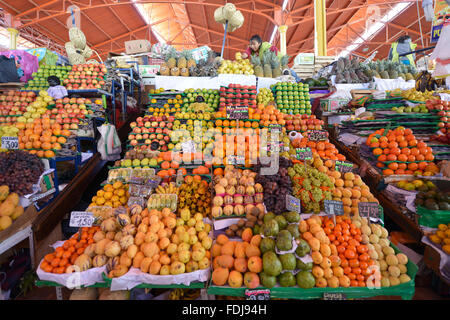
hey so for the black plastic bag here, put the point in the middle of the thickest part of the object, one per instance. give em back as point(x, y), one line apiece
point(8, 70)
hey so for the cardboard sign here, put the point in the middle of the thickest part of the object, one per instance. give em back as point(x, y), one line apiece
point(81, 219)
point(263, 294)
point(369, 209)
point(293, 204)
point(317, 135)
point(11, 143)
point(237, 113)
point(334, 207)
point(304, 153)
point(343, 166)
point(334, 296)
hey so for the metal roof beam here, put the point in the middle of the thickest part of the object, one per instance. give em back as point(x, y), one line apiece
point(37, 8)
point(404, 28)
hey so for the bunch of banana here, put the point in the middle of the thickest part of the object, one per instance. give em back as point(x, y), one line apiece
point(167, 188)
point(424, 81)
point(160, 201)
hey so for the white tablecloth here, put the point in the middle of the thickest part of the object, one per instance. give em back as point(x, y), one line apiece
point(183, 83)
point(392, 84)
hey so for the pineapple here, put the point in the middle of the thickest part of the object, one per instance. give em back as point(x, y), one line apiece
point(266, 65)
point(171, 58)
point(259, 72)
point(184, 72)
point(175, 72)
point(276, 68)
point(191, 63)
point(284, 62)
point(185, 56)
point(164, 70)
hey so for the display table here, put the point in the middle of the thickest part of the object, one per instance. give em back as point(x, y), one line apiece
point(183, 83)
point(20, 230)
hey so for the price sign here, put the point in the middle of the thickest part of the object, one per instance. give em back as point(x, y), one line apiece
point(317, 135)
point(334, 207)
point(257, 294)
point(234, 160)
point(39, 196)
point(81, 219)
point(274, 127)
point(275, 147)
point(369, 209)
point(237, 113)
point(293, 204)
point(303, 153)
point(334, 296)
point(10, 143)
point(343, 166)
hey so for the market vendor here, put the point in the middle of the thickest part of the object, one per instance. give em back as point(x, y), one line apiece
point(56, 90)
point(403, 45)
point(258, 47)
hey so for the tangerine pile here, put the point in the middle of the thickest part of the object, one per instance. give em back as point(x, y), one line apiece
point(405, 154)
point(42, 137)
point(351, 252)
point(324, 149)
point(65, 256)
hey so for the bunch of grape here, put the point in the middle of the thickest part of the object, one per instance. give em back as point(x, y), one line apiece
point(19, 170)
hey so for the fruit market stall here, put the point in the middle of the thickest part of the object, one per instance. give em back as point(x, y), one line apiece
point(188, 207)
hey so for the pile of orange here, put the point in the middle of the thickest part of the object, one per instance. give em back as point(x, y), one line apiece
point(246, 146)
point(324, 149)
point(352, 253)
point(41, 137)
point(234, 123)
point(410, 156)
point(271, 115)
point(65, 256)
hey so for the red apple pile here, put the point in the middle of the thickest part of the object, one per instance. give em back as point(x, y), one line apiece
point(86, 76)
point(237, 95)
point(14, 103)
point(302, 122)
point(148, 129)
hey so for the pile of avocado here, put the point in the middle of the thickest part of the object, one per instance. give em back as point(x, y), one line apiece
point(39, 78)
point(279, 232)
point(321, 82)
point(434, 200)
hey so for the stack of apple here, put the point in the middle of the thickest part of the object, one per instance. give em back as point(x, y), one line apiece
point(148, 129)
point(302, 122)
point(14, 103)
point(86, 76)
point(442, 108)
point(70, 111)
point(237, 95)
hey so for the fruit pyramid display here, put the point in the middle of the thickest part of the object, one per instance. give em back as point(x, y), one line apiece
point(13, 104)
point(302, 122)
point(39, 78)
point(166, 104)
point(237, 263)
point(210, 97)
point(264, 96)
point(194, 196)
point(399, 152)
point(238, 66)
point(86, 76)
point(10, 209)
point(236, 193)
point(441, 237)
point(112, 195)
point(292, 98)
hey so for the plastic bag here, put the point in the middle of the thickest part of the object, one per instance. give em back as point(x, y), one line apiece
point(8, 70)
point(26, 63)
point(109, 144)
point(442, 54)
point(77, 37)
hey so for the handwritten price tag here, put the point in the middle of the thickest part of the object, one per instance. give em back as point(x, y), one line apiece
point(10, 143)
point(334, 207)
point(343, 166)
point(293, 204)
point(334, 296)
point(237, 112)
point(304, 153)
point(369, 209)
point(257, 294)
point(81, 219)
point(317, 135)
point(233, 159)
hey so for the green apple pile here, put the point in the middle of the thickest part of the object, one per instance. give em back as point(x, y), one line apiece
point(39, 80)
point(264, 96)
point(203, 140)
point(190, 95)
point(421, 108)
point(292, 98)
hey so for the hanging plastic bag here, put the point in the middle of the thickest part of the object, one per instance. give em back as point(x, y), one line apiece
point(8, 70)
point(109, 144)
point(442, 54)
point(26, 63)
point(77, 37)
